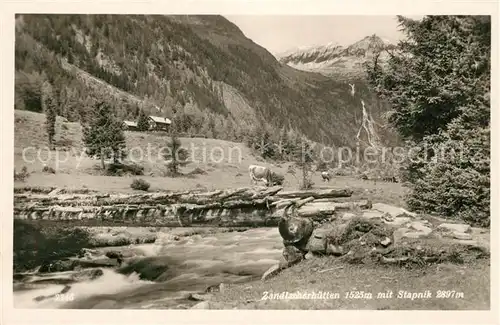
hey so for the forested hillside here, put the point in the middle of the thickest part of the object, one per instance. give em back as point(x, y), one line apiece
point(200, 71)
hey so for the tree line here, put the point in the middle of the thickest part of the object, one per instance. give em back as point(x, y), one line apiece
point(437, 82)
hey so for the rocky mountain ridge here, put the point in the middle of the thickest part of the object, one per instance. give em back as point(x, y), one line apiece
point(333, 59)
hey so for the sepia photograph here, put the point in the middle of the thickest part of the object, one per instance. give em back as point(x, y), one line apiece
point(251, 162)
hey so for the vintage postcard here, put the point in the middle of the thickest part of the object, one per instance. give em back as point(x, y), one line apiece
point(258, 159)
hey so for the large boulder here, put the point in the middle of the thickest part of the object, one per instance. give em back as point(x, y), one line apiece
point(421, 226)
point(317, 244)
point(461, 235)
point(383, 234)
point(295, 230)
point(372, 214)
point(398, 221)
point(454, 227)
point(395, 212)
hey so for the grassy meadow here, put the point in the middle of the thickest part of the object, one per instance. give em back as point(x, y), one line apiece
point(227, 167)
point(225, 163)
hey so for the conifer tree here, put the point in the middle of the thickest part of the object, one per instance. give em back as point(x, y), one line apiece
point(142, 122)
point(104, 137)
point(176, 156)
point(438, 84)
point(49, 107)
point(300, 152)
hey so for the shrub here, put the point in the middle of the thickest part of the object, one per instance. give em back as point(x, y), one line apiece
point(363, 176)
point(198, 171)
point(277, 179)
point(341, 172)
point(63, 143)
point(322, 166)
point(140, 184)
point(176, 157)
point(306, 184)
point(21, 177)
point(34, 246)
point(49, 170)
point(118, 169)
point(456, 187)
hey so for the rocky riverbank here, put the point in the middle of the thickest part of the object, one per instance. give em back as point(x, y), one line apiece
point(57, 247)
point(303, 225)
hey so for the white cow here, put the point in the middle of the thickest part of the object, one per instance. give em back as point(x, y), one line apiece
point(325, 176)
point(260, 173)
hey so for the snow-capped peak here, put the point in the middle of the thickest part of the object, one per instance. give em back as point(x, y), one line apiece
point(332, 56)
point(308, 48)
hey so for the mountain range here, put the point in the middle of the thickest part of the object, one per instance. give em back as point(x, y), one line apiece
point(200, 71)
point(333, 59)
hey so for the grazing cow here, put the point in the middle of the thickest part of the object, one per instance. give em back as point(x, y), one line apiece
point(260, 173)
point(325, 176)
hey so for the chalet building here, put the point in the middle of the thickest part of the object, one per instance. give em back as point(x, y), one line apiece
point(130, 126)
point(157, 123)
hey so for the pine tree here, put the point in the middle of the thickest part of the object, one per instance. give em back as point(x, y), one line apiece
point(434, 73)
point(303, 157)
point(438, 84)
point(29, 90)
point(283, 143)
point(300, 153)
point(142, 122)
point(266, 145)
point(104, 136)
point(49, 107)
point(137, 111)
point(229, 129)
point(175, 155)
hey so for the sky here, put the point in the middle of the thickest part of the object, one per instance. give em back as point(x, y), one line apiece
point(282, 33)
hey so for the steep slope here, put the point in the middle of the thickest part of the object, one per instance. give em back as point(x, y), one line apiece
point(201, 71)
point(335, 60)
point(347, 64)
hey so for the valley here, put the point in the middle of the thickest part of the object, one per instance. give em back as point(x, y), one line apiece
point(234, 196)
